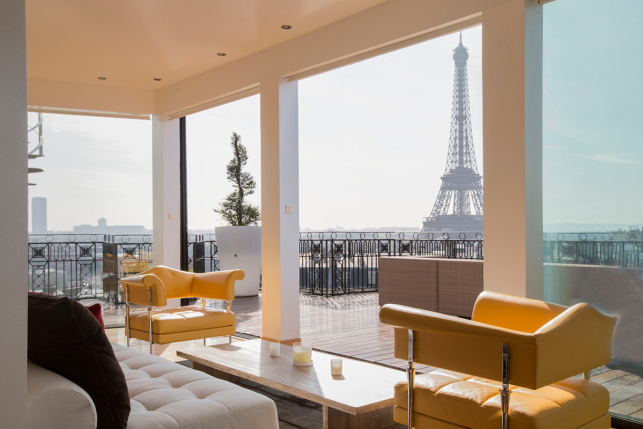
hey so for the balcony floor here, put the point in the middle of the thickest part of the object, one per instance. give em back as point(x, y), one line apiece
point(349, 326)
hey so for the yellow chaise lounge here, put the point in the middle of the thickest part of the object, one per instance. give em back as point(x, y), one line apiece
point(155, 286)
point(517, 362)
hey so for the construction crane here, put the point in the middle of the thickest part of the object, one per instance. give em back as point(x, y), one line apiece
point(37, 151)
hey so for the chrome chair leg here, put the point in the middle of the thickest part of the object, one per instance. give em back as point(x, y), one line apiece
point(149, 319)
point(204, 342)
point(127, 314)
point(410, 373)
point(229, 336)
point(505, 393)
point(587, 375)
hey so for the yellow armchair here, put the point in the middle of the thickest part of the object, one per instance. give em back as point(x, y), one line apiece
point(510, 345)
point(155, 286)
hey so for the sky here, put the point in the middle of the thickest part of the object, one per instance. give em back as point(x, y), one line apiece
point(373, 139)
point(93, 167)
point(374, 136)
point(593, 116)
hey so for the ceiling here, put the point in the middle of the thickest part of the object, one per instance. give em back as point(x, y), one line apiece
point(131, 42)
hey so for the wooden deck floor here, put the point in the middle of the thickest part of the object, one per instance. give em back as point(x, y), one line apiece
point(349, 326)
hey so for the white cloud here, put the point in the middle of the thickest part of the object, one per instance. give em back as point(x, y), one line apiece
point(601, 157)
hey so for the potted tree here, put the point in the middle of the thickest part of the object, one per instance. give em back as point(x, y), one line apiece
point(239, 243)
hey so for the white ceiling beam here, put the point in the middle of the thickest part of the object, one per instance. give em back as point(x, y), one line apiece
point(388, 23)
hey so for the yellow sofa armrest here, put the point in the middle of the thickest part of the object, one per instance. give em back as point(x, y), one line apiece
point(578, 340)
point(137, 288)
point(462, 345)
point(216, 285)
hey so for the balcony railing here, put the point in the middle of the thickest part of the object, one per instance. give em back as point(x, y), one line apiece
point(203, 253)
point(337, 263)
point(594, 249)
point(330, 263)
point(84, 266)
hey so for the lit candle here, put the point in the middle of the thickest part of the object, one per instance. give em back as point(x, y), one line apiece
point(302, 354)
point(335, 367)
point(275, 349)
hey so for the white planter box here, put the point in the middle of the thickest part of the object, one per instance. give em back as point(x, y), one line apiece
point(240, 249)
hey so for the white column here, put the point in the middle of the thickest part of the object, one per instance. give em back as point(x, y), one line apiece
point(279, 226)
point(166, 174)
point(512, 84)
point(13, 214)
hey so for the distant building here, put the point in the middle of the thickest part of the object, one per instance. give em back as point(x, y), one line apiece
point(39, 215)
point(103, 228)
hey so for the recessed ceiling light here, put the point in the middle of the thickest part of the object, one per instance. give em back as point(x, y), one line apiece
point(158, 79)
point(286, 27)
point(102, 78)
point(221, 54)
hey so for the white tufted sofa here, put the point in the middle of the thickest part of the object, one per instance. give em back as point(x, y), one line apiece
point(163, 395)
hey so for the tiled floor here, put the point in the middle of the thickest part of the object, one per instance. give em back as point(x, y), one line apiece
point(349, 326)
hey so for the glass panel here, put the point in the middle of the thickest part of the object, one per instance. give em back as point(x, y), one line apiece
point(209, 151)
point(90, 199)
point(593, 173)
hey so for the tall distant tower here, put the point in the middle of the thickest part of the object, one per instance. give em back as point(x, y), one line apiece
point(39, 215)
point(461, 183)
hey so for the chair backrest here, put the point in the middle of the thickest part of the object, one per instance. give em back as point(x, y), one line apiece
point(513, 312)
point(547, 342)
point(178, 284)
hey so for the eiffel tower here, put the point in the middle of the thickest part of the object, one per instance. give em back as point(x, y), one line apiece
point(461, 183)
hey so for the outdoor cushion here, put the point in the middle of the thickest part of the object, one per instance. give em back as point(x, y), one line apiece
point(474, 402)
point(182, 319)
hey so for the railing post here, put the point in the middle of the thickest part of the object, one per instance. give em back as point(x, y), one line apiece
point(110, 272)
point(198, 257)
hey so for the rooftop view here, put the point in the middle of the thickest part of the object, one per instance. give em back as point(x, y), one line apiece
point(330, 214)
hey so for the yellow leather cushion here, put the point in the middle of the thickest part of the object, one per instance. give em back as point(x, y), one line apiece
point(474, 402)
point(182, 319)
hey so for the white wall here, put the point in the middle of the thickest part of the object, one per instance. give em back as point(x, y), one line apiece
point(82, 96)
point(13, 214)
point(512, 110)
point(166, 194)
point(279, 229)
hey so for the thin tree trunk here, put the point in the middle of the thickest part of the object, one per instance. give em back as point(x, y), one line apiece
point(238, 177)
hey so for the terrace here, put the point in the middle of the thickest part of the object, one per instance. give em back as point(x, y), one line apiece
point(339, 304)
point(557, 127)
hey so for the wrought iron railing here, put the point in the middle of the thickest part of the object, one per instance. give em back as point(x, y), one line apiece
point(338, 263)
point(203, 253)
point(88, 266)
point(625, 254)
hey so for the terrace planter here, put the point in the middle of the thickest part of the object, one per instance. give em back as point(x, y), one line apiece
point(240, 249)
